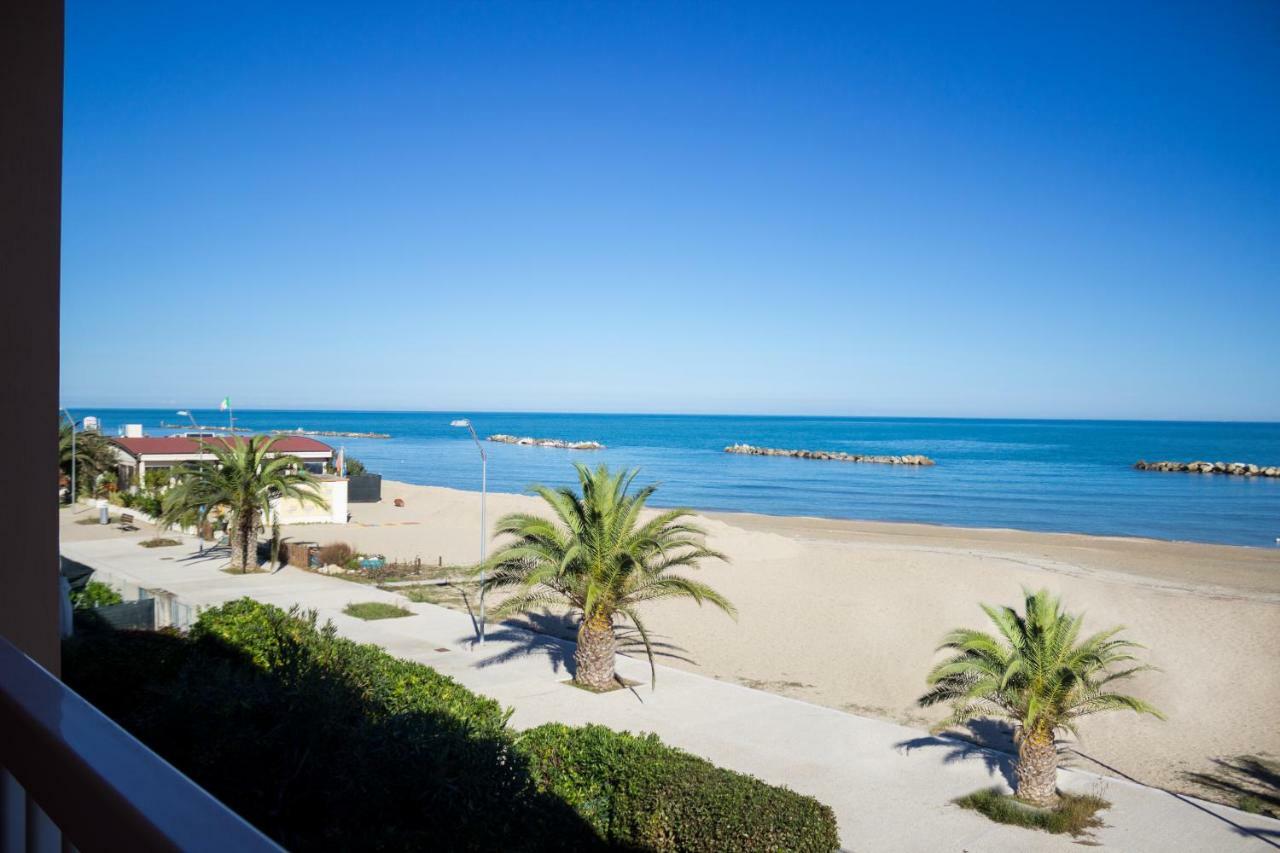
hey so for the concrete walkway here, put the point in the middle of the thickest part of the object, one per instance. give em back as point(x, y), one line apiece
point(891, 786)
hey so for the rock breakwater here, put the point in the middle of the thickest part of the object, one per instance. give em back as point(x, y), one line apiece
point(546, 442)
point(833, 455)
point(1239, 469)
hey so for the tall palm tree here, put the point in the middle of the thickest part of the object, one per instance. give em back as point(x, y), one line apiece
point(242, 479)
point(597, 555)
point(1038, 674)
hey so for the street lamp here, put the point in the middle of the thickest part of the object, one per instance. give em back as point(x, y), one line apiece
point(72, 421)
point(186, 413)
point(484, 477)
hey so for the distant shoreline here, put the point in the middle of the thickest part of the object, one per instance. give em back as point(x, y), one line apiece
point(901, 527)
point(1034, 476)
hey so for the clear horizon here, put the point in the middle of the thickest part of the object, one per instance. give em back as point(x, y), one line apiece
point(663, 209)
point(797, 415)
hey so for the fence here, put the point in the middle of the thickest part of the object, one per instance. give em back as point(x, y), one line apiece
point(364, 489)
point(143, 608)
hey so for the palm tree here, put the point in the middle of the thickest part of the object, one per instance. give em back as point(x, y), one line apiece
point(1039, 675)
point(242, 479)
point(603, 560)
point(94, 453)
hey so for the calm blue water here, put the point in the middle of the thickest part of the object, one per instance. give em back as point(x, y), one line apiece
point(1074, 476)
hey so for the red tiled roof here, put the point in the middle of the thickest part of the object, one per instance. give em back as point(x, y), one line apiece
point(173, 444)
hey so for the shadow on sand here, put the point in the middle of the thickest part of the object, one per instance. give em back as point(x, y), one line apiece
point(1246, 778)
point(1266, 836)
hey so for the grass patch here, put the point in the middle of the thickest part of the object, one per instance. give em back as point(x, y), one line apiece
point(1076, 814)
point(376, 610)
point(159, 542)
point(445, 595)
point(251, 570)
point(111, 519)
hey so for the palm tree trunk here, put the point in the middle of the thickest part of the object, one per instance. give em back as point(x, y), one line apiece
point(594, 657)
point(235, 538)
point(244, 544)
point(1037, 770)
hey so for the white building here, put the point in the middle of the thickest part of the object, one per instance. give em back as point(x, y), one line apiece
point(137, 455)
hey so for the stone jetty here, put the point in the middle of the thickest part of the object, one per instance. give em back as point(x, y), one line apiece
point(833, 455)
point(525, 441)
point(331, 433)
point(1239, 469)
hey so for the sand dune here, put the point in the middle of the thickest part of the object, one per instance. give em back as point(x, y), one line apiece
point(847, 614)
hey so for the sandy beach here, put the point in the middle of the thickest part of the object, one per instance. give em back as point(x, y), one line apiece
point(847, 614)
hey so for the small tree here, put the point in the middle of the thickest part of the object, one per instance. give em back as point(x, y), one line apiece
point(600, 558)
point(1037, 674)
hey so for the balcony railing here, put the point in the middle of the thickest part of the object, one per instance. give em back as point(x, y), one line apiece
point(70, 778)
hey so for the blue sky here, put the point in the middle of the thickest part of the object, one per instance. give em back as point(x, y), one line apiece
point(685, 207)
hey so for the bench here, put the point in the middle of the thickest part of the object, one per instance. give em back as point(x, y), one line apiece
point(126, 522)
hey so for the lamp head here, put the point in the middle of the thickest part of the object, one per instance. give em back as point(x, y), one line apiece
point(460, 422)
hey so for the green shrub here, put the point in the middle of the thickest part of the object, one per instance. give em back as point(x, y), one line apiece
point(1075, 814)
point(323, 743)
point(119, 671)
point(152, 505)
point(94, 594)
point(328, 744)
point(638, 792)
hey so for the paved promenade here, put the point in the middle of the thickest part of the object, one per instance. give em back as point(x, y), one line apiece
point(891, 786)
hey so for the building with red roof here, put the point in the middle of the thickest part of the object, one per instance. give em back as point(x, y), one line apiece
point(136, 455)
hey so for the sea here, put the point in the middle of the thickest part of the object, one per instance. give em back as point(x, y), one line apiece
point(1040, 475)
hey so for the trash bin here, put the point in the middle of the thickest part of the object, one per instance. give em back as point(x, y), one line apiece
point(104, 512)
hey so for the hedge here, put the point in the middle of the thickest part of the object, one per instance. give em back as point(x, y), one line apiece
point(637, 791)
point(324, 743)
point(320, 742)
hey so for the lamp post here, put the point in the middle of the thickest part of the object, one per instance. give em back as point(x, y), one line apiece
point(188, 414)
point(72, 421)
point(484, 477)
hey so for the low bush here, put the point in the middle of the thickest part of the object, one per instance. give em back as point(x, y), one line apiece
point(376, 610)
point(336, 554)
point(152, 505)
point(94, 594)
point(638, 792)
point(322, 743)
point(1075, 814)
point(159, 542)
point(328, 744)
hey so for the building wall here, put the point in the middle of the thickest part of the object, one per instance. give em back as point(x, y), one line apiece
point(30, 257)
point(333, 490)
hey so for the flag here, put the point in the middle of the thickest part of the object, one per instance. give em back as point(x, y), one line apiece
point(225, 404)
